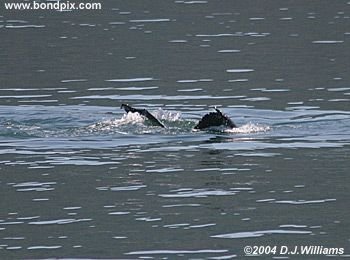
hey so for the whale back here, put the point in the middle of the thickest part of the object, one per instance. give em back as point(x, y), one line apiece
point(213, 119)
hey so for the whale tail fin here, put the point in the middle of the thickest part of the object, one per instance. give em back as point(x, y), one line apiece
point(213, 119)
point(142, 112)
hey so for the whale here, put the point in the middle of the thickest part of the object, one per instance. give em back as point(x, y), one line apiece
point(210, 120)
point(215, 119)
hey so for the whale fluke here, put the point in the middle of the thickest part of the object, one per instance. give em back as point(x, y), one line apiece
point(142, 112)
point(215, 119)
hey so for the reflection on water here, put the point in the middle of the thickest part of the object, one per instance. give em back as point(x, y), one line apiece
point(81, 179)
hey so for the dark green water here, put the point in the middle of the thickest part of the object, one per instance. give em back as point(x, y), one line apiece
point(80, 179)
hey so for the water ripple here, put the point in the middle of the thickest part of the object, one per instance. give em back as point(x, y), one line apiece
point(128, 188)
point(302, 202)
point(35, 186)
point(59, 221)
point(131, 80)
point(44, 247)
point(150, 20)
point(153, 97)
point(239, 70)
point(198, 193)
point(252, 234)
point(327, 42)
point(153, 252)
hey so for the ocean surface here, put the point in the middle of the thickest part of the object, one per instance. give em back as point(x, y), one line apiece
point(80, 178)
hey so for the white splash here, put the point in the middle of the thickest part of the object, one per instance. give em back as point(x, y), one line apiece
point(248, 128)
point(167, 115)
point(129, 118)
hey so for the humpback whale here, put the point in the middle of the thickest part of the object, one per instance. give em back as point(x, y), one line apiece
point(212, 119)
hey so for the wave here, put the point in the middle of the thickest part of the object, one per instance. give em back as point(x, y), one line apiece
point(135, 123)
point(130, 123)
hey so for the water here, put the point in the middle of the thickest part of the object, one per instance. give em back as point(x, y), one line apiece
point(82, 179)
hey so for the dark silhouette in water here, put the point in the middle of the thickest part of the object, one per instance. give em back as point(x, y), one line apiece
point(212, 119)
